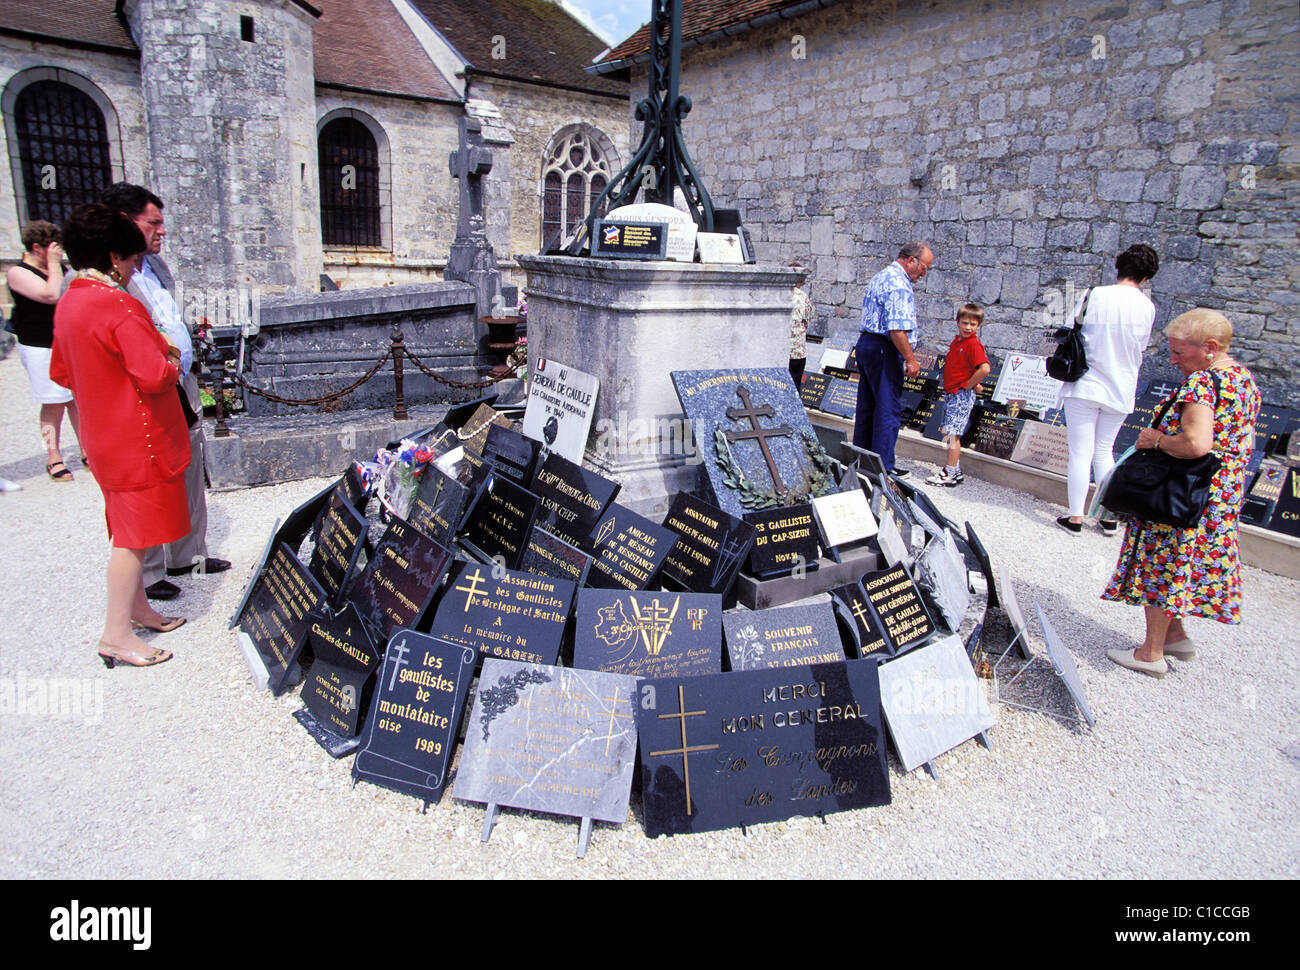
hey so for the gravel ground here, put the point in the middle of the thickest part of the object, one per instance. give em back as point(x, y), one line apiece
point(228, 785)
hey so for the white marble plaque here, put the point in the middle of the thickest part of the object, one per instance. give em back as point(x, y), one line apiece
point(561, 400)
point(844, 517)
point(941, 568)
point(1063, 662)
point(834, 358)
point(681, 227)
point(720, 247)
point(1015, 615)
point(892, 543)
point(932, 701)
point(1024, 377)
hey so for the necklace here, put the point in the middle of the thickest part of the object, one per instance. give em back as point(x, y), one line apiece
point(90, 273)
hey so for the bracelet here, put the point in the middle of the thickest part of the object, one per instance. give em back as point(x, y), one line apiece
point(1158, 437)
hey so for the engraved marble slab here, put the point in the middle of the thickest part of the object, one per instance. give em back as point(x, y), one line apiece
point(1044, 446)
point(941, 570)
point(1024, 377)
point(561, 401)
point(844, 517)
point(547, 739)
point(648, 634)
point(786, 636)
point(1063, 662)
point(932, 701)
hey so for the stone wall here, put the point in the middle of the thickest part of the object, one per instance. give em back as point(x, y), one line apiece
point(1029, 142)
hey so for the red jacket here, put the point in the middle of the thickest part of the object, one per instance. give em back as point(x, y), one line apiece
point(108, 353)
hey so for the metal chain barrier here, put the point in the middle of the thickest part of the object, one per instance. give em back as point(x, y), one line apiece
point(323, 399)
point(450, 382)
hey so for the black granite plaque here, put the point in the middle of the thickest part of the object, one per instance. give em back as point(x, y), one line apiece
point(503, 613)
point(629, 240)
point(1272, 426)
point(813, 389)
point(1144, 410)
point(984, 413)
point(841, 398)
point(784, 540)
point(998, 436)
point(760, 746)
point(339, 685)
point(648, 634)
point(850, 602)
point(351, 488)
point(411, 728)
point(298, 524)
point(985, 564)
point(1286, 513)
point(919, 415)
point(629, 550)
point(934, 422)
point(400, 581)
point(869, 463)
point(549, 555)
point(898, 608)
point(340, 536)
point(786, 636)
point(711, 545)
point(501, 522)
point(513, 455)
point(275, 616)
point(441, 503)
point(572, 498)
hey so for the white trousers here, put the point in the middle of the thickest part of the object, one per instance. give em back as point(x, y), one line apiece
point(1091, 429)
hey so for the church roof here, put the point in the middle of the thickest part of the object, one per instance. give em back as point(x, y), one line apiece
point(82, 23)
point(542, 42)
point(365, 45)
point(704, 21)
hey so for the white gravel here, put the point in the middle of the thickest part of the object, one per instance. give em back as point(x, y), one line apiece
point(227, 784)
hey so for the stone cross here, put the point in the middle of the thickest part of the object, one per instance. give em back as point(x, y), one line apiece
point(757, 432)
point(469, 163)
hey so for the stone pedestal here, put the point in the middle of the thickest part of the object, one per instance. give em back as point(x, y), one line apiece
point(630, 324)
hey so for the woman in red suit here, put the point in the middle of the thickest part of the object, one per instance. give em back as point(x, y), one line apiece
point(123, 374)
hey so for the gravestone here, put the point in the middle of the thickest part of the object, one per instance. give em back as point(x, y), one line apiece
point(546, 739)
point(899, 610)
point(760, 746)
point(441, 503)
point(501, 522)
point(561, 401)
point(1065, 666)
point(648, 634)
point(411, 728)
point(711, 545)
point(341, 534)
point(932, 701)
point(629, 550)
point(1045, 446)
point(276, 616)
point(471, 258)
point(844, 518)
point(841, 398)
point(784, 539)
point(682, 229)
point(941, 570)
point(549, 555)
point(339, 685)
point(400, 580)
point(813, 390)
point(572, 499)
point(1024, 378)
point(299, 523)
point(511, 454)
point(850, 602)
point(757, 446)
point(504, 613)
point(787, 636)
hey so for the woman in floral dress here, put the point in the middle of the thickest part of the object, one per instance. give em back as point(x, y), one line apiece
point(1174, 573)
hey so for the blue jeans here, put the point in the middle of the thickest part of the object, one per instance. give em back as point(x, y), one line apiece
point(880, 393)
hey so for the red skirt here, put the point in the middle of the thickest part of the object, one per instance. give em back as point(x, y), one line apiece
point(148, 517)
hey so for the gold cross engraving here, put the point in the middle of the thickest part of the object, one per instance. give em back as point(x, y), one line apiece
point(612, 714)
point(472, 589)
point(653, 625)
point(685, 750)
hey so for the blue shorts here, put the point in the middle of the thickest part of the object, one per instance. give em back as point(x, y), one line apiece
point(956, 412)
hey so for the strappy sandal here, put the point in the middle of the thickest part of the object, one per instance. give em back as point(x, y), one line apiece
point(113, 658)
point(63, 475)
point(168, 624)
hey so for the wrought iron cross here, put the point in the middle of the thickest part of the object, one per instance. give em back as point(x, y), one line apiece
point(758, 432)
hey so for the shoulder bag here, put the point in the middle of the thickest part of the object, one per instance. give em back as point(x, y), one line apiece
point(1069, 362)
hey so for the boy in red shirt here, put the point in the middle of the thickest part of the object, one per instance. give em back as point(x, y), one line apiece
point(964, 368)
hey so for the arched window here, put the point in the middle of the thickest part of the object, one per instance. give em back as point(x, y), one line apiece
point(62, 149)
point(578, 164)
point(350, 211)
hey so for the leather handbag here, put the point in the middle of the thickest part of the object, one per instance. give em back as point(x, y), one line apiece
point(1154, 486)
point(1069, 362)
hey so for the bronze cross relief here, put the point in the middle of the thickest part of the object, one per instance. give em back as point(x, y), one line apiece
point(758, 432)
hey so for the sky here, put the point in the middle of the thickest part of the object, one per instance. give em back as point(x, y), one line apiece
point(612, 20)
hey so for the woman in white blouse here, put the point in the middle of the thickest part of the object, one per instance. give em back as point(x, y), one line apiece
point(1116, 330)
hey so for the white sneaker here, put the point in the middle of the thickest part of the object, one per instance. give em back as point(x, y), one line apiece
point(8, 486)
point(942, 477)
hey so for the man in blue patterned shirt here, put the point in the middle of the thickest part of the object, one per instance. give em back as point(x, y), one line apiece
point(884, 352)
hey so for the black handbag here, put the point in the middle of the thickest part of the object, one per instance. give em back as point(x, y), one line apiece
point(1154, 486)
point(1069, 362)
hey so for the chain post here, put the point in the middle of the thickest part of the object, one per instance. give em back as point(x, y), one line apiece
point(219, 394)
point(399, 398)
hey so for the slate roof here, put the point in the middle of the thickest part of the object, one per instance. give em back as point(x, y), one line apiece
point(83, 23)
point(542, 42)
point(365, 44)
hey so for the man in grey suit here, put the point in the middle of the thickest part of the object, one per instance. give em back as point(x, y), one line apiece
point(154, 286)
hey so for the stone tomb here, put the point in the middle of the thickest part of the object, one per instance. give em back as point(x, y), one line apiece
point(547, 739)
point(572, 498)
point(787, 636)
point(899, 610)
point(549, 555)
point(504, 613)
point(629, 550)
point(932, 701)
point(561, 401)
point(850, 603)
point(711, 545)
point(275, 617)
point(341, 533)
point(338, 687)
point(400, 580)
point(411, 729)
point(754, 437)
point(501, 522)
point(785, 539)
point(511, 454)
point(760, 746)
point(648, 634)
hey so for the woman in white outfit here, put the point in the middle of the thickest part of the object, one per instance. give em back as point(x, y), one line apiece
point(1116, 330)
